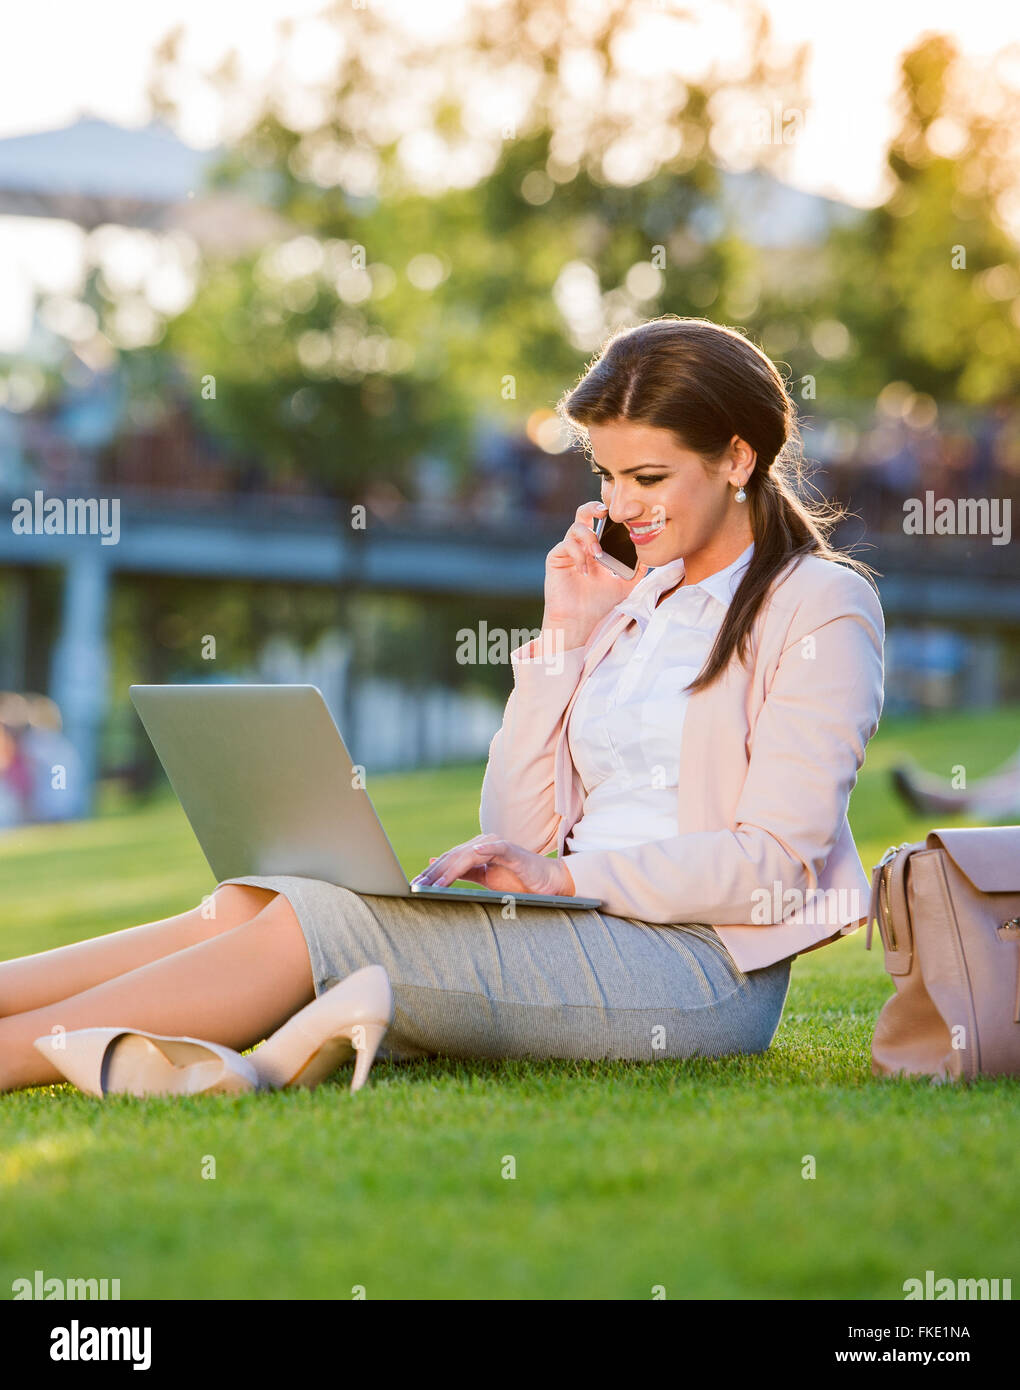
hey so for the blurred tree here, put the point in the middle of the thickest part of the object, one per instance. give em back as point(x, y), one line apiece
point(927, 284)
point(468, 224)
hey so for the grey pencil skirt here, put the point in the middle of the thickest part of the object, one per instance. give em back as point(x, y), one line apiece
point(573, 983)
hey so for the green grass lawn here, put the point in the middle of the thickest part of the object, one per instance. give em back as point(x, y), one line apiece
point(628, 1176)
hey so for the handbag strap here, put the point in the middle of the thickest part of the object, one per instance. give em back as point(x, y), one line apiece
point(893, 916)
point(876, 875)
point(1010, 931)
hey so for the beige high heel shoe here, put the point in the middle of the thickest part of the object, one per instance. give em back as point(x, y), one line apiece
point(310, 1046)
point(122, 1061)
point(306, 1050)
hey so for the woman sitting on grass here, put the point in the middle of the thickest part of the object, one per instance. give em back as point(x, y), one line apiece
point(686, 739)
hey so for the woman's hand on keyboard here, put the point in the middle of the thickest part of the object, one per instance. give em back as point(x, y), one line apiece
point(499, 865)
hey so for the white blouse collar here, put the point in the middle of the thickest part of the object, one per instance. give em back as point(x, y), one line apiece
point(721, 586)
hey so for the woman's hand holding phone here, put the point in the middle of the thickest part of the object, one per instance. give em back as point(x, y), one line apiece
point(579, 591)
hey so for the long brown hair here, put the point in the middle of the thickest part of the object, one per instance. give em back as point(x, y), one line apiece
point(706, 383)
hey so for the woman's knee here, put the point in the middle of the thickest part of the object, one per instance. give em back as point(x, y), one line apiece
point(231, 905)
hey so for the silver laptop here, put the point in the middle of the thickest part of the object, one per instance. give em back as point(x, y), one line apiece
point(269, 788)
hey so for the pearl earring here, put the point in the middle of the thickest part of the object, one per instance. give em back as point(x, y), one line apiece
point(741, 495)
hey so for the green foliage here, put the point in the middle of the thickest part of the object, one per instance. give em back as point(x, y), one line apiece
point(391, 321)
point(927, 283)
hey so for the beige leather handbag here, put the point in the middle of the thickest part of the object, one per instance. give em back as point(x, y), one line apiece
point(948, 910)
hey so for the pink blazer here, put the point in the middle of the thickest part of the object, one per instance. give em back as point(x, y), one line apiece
point(768, 759)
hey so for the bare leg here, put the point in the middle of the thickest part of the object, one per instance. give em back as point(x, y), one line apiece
point(234, 989)
point(29, 982)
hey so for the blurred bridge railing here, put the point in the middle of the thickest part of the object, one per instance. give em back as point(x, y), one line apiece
point(223, 525)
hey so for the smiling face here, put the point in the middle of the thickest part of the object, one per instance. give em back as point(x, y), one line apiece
point(673, 507)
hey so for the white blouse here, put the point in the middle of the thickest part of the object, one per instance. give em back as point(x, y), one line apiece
point(625, 727)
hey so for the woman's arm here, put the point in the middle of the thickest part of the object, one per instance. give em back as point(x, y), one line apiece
point(517, 790)
point(807, 746)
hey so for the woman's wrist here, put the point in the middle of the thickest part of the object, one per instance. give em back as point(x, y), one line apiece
point(564, 636)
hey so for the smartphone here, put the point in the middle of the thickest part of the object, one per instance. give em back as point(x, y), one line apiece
point(619, 554)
